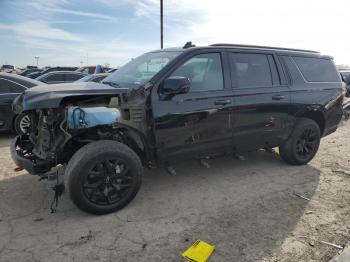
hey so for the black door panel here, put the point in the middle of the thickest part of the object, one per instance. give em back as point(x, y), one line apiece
point(193, 122)
point(261, 113)
point(198, 121)
point(258, 119)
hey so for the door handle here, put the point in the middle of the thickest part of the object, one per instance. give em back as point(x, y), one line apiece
point(278, 97)
point(222, 102)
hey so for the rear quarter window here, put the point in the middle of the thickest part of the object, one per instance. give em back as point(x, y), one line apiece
point(317, 69)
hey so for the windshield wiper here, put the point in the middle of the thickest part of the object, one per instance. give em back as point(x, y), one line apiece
point(113, 84)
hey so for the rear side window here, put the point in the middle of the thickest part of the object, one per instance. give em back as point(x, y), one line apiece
point(55, 78)
point(10, 87)
point(253, 70)
point(4, 86)
point(317, 69)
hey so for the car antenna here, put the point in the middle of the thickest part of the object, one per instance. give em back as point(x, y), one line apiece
point(188, 45)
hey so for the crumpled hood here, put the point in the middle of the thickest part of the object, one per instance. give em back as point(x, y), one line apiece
point(50, 96)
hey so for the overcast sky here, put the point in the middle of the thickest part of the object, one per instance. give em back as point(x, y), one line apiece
point(65, 32)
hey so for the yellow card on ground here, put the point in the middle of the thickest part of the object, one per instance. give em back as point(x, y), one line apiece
point(200, 251)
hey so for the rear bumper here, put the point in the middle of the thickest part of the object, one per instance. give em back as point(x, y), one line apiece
point(18, 158)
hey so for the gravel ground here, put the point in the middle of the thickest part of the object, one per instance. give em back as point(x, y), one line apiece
point(248, 209)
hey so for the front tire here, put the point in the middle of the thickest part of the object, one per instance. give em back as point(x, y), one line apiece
point(103, 176)
point(302, 145)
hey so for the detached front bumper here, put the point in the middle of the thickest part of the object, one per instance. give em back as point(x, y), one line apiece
point(21, 160)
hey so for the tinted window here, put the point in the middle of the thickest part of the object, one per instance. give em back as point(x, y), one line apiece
point(141, 69)
point(251, 70)
point(4, 86)
point(317, 69)
point(55, 78)
point(204, 72)
point(10, 86)
point(73, 77)
point(16, 88)
point(345, 75)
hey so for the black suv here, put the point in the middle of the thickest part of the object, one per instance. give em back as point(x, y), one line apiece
point(176, 103)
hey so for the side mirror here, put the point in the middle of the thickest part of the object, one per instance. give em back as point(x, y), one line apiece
point(174, 85)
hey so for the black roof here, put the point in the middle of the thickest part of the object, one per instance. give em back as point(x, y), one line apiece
point(267, 47)
point(292, 51)
point(22, 80)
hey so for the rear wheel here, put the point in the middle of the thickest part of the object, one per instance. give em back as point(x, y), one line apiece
point(303, 144)
point(22, 123)
point(103, 176)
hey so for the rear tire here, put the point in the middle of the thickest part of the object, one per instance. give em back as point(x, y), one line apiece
point(302, 145)
point(103, 177)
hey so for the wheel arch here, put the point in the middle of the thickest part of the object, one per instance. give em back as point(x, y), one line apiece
point(316, 114)
point(127, 135)
point(13, 122)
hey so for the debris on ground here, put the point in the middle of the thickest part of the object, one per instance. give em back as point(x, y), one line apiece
point(303, 197)
point(342, 171)
point(86, 238)
point(312, 241)
point(204, 162)
point(239, 157)
point(200, 251)
point(171, 170)
point(38, 219)
point(331, 244)
point(308, 212)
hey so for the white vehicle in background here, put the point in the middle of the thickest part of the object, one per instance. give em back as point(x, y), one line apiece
point(7, 68)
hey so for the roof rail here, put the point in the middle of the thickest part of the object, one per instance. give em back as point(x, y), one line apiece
point(267, 47)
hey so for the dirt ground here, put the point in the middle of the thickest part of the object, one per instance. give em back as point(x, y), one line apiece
point(247, 209)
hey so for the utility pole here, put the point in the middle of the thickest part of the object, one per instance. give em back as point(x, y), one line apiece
point(161, 24)
point(37, 60)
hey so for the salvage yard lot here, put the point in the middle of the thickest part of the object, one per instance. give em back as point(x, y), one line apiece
point(248, 209)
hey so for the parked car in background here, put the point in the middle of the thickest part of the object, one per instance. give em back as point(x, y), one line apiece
point(31, 67)
point(7, 68)
point(97, 78)
point(92, 69)
point(11, 86)
point(29, 71)
point(52, 69)
point(170, 104)
point(345, 76)
point(58, 77)
point(89, 70)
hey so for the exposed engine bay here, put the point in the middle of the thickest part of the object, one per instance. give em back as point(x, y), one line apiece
point(57, 133)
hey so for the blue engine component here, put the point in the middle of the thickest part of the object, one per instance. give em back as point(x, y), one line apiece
point(85, 117)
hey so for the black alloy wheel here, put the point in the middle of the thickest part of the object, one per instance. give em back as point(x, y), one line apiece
point(302, 144)
point(103, 176)
point(306, 143)
point(107, 182)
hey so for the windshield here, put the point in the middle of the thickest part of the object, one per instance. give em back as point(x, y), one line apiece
point(8, 66)
point(141, 69)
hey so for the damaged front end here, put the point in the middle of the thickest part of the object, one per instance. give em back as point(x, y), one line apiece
point(65, 119)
